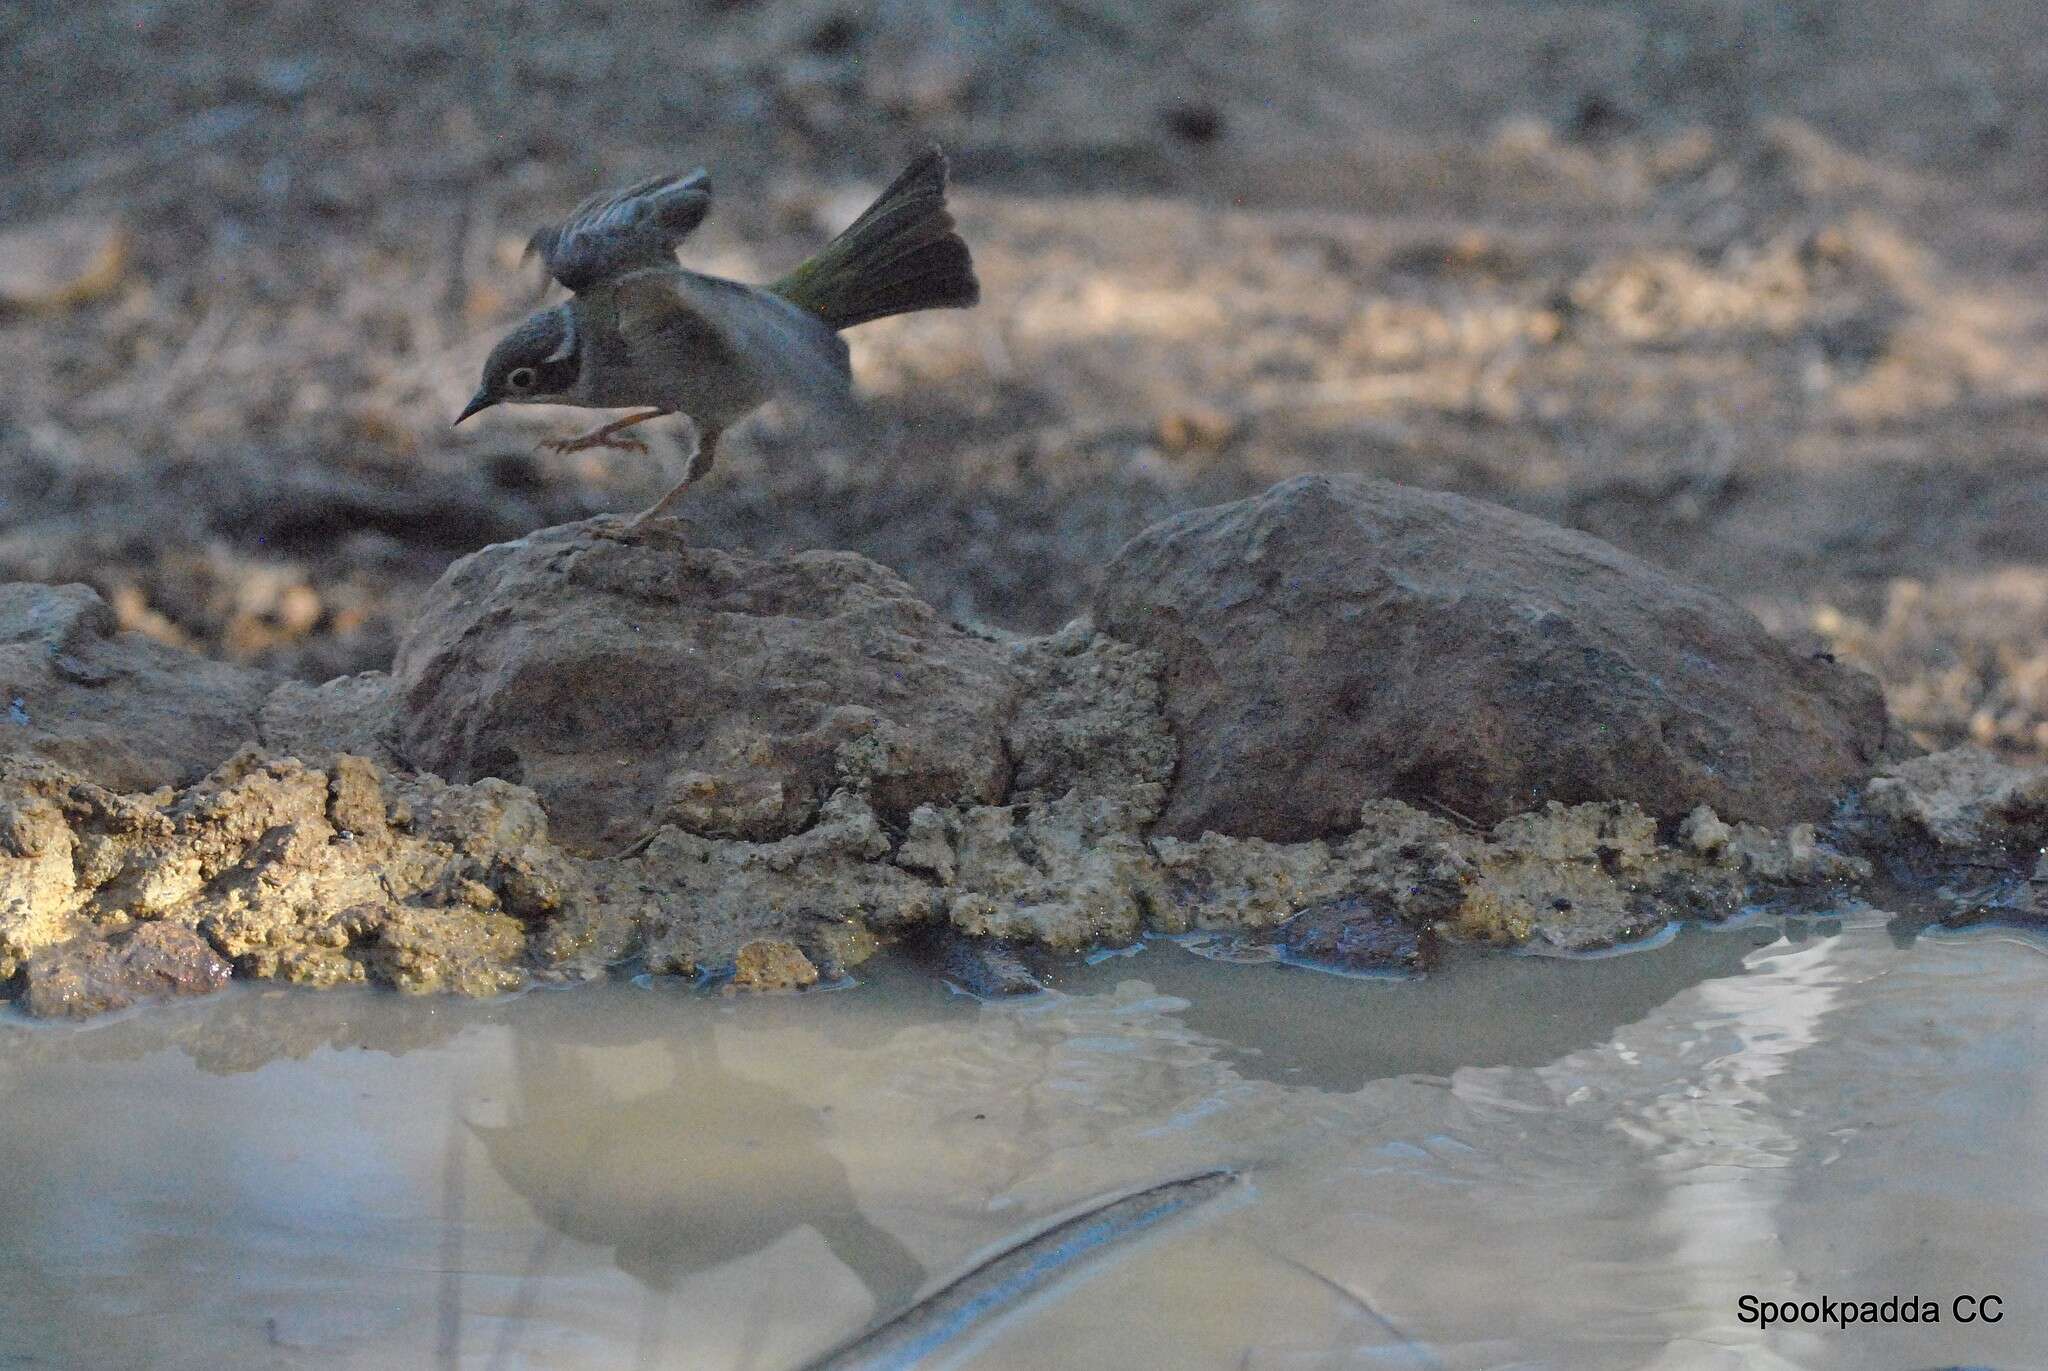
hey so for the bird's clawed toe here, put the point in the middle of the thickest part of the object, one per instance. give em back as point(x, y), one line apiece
point(647, 519)
point(564, 446)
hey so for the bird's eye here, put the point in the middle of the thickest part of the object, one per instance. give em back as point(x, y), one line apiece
point(521, 378)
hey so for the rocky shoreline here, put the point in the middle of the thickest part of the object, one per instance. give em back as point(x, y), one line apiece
point(1344, 717)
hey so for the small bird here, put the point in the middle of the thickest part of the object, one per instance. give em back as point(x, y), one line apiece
point(639, 330)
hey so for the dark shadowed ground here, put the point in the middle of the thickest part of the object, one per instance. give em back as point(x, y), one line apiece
point(1756, 290)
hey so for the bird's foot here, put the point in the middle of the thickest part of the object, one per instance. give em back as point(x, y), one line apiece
point(647, 518)
point(616, 528)
point(598, 439)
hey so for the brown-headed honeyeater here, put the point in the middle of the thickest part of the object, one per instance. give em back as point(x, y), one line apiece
point(639, 330)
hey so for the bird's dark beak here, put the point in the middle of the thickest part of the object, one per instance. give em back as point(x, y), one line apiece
point(478, 402)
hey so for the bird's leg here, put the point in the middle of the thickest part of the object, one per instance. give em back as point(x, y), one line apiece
point(602, 437)
point(700, 462)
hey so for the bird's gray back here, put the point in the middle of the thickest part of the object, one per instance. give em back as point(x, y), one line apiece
point(710, 348)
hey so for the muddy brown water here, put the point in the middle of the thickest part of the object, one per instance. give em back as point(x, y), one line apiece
point(1519, 1162)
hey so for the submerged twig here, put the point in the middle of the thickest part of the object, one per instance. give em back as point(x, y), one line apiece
point(1005, 1280)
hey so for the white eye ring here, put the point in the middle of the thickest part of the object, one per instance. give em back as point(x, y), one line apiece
point(520, 378)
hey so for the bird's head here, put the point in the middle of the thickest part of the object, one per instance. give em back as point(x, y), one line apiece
point(536, 363)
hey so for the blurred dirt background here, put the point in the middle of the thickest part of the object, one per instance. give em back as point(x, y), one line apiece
point(1757, 290)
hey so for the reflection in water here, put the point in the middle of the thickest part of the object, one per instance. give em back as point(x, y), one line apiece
point(1301, 1027)
point(1515, 1163)
point(655, 1150)
point(359, 1178)
point(1719, 1142)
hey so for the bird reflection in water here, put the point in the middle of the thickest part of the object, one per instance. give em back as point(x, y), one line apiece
point(654, 1149)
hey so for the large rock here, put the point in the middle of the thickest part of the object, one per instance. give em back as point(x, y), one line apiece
point(1340, 639)
point(633, 680)
point(118, 708)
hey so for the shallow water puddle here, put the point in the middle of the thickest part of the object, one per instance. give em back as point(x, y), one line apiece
point(1518, 1162)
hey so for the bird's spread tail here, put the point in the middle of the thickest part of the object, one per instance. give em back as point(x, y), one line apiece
point(901, 256)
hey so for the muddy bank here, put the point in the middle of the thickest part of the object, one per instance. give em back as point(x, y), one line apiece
point(601, 747)
point(350, 873)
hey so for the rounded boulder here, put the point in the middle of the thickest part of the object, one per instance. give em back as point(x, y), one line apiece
point(633, 680)
point(1342, 639)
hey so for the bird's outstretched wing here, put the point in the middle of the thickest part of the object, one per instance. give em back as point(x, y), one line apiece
point(618, 231)
point(679, 322)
